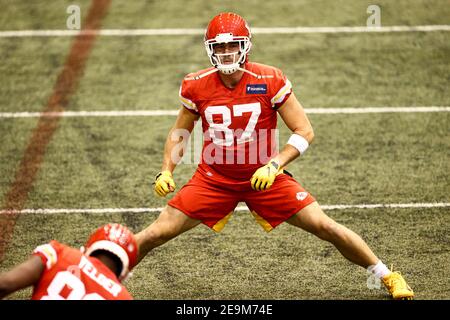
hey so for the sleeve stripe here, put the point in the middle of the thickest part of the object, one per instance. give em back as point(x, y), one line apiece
point(187, 103)
point(49, 253)
point(279, 97)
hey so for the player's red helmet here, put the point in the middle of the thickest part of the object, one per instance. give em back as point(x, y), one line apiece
point(225, 28)
point(118, 240)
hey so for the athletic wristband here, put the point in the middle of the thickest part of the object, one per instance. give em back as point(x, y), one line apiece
point(298, 142)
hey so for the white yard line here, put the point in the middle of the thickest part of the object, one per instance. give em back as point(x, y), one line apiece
point(239, 208)
point(156, 113)
point(377, 110)
point(195, 31)
point(121, 113)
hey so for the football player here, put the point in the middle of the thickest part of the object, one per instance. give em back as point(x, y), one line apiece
point(238, 102)
point(59, 272)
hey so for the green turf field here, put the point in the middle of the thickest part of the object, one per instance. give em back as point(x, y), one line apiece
point(356, 158)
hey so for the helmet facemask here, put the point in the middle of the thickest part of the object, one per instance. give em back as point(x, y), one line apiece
point(228, 62)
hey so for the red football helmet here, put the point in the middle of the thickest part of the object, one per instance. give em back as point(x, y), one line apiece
point(226, 28)
point(118, 240)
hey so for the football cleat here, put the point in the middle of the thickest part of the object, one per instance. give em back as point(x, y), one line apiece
point(397, 286)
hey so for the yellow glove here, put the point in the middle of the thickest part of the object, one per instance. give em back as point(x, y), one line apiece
point(164, 183)
point(264, 177)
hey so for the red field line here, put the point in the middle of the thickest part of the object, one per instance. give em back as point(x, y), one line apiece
point(65, 86)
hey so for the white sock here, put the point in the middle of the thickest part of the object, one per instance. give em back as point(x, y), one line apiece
point(379, 270)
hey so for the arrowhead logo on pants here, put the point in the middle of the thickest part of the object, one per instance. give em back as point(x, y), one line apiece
point(301, 196)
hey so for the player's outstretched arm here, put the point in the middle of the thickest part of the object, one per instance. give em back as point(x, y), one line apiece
point(23, 275)
point(173, 151)
point(296, 120)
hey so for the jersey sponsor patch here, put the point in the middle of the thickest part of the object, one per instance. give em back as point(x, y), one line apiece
point(256, 88)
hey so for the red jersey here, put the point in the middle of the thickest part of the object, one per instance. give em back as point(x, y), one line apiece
point(239, 124)
point(70, 275)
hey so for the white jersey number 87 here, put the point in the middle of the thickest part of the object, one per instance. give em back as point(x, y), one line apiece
point(238, 110)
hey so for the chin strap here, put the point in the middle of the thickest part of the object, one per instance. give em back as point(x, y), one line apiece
point(257, 76)
point(203, 74)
